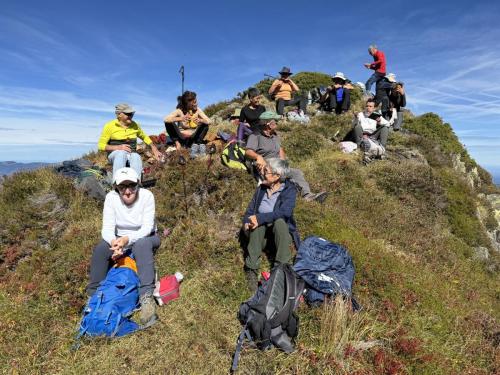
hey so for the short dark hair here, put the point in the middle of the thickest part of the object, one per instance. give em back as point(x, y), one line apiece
point(371, 100)
point(253, 92)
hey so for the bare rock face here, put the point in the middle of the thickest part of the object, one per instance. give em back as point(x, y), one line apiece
point(494, 235)
point(481, 254)
point(472, 176)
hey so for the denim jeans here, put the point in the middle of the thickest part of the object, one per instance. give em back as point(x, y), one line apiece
point(375, 77)
point(119, 159)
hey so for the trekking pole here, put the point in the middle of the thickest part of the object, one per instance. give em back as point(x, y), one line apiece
point(182, 163)
point(181, 70)
point(211, 150)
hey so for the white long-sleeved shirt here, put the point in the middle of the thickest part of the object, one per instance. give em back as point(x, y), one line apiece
point(370, 125)
point(135, 221)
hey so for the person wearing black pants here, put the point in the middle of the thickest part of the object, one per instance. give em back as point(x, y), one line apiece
point(187, 125)
point(175, 134)
point(282, 103)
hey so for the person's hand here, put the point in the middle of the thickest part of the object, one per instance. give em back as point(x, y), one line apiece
point(400, 90)
point(119, 243)
point(157, 154)
point(261, 163)
point(253, 222)
point(124, 147)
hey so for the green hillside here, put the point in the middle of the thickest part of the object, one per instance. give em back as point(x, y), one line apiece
point(414, 224)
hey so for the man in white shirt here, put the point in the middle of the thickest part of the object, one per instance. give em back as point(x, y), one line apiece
point(128, 224)
point(370, 123)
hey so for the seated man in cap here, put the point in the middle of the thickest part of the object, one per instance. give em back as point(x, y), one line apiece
point(338, 96)
point(282, 90)
point(119, 139)
point(372, 124)
point(128, 225)
point(265, 144)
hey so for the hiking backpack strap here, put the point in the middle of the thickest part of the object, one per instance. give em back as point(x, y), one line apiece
point(292, 296)
point(239, 344)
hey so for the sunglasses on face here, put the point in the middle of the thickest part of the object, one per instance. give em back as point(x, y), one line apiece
point(124, 187)
point(129, 115)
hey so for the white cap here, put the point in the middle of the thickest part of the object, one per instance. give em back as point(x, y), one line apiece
point(179, 276)
point(125, 174)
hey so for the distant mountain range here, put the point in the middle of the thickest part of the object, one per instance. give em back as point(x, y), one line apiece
point(9, 167)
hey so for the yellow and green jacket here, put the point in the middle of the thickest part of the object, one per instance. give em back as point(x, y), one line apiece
point(114, 134)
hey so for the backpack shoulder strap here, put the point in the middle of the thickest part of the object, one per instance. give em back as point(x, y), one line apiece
point(292, 294)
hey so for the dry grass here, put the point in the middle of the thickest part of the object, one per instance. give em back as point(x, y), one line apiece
point(433, 308)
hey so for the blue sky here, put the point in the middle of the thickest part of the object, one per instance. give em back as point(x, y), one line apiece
point(64, 65)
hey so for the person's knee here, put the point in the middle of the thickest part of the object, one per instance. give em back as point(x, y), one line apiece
point(280, 224)
point(142, 246)
point(102, 250)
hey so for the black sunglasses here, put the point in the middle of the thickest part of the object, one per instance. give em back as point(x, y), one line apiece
point(129, 115)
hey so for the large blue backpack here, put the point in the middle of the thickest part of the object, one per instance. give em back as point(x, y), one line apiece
point(108, 310)
point(327, 268)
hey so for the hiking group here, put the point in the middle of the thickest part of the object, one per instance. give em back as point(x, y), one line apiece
point(128, 224)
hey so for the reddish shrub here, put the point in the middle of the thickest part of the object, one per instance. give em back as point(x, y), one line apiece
point(407, 346)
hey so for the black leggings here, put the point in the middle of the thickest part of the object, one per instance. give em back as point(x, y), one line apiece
point(174, 133)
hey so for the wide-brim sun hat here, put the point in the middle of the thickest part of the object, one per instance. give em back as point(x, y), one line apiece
point(269, 115)
point(125, 174)
point(339, 75)
point(391, 77)
point(285, 70)
point(236, 113)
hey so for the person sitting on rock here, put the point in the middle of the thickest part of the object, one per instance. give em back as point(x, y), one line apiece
point(265, 144)
point(398, 101)
point(378, 65)
point(128, 225)
point(338, 96)
point(282, 89)
point(383, 91)
point(119, 139)
point(269, 217)
point(187, 125)
point(250, 113)
point(370, 123)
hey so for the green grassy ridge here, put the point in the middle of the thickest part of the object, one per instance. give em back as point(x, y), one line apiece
point(394, 216)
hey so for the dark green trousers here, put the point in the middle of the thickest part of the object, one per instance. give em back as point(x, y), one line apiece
point(258, 239)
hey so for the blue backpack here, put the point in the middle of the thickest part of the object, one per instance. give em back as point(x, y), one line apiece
point(327, 268)
point(109, 309)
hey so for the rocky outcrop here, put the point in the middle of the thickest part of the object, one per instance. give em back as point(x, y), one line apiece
point(472, 176)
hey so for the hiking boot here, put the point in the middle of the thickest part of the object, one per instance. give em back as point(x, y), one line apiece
point(202, 150)
point(364, 145)
point(318, 197)
point(147, 315)
point(195, 149)
point(252, 280)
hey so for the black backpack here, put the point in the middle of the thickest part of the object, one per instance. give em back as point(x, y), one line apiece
point(268, 318)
